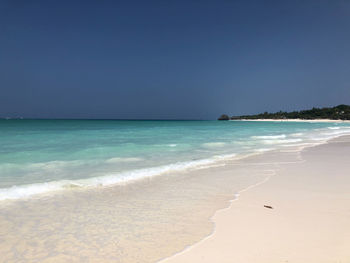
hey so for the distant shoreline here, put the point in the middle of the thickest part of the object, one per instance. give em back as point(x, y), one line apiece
point(296, 120)
point(334, 114)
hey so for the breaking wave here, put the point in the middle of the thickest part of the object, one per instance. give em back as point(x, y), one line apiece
point(25, 191)
point(281, 136)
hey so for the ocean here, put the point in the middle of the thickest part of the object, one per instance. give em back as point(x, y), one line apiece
point(41, 156)
point(132, 191)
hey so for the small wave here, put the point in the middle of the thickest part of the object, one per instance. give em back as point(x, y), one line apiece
point(261, 150)
point(25, 191)
point(336, 132)
point(17, 192)
point(225, 156)
point(52, 165)
point(281, 136)
point(325, 134)
point(334, 128)
point(302, 144)
point(297, 134)
point(214, 144)
point(281, 141)
point(172, 145)
point(123, 160)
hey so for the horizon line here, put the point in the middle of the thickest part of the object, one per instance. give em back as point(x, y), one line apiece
point(117, 119)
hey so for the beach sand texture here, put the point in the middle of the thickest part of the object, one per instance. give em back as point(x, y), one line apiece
point(297, 120)
point(309, 222)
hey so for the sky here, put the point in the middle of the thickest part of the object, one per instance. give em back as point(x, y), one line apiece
point(171, 59)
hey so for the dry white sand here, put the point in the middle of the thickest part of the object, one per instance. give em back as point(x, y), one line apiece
point(296, 120)
point(309, 222)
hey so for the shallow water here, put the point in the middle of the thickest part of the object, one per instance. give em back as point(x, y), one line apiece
point(141, 222)
point(102, 205)
point(40, 156)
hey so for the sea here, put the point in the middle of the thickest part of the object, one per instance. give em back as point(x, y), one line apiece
point(132, 191)
point(41, 156)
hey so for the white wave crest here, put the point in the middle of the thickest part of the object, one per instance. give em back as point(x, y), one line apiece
point(213, 144)
point(337, 132)
point(281, 141)
point(261, 150)
point(25, 191)
point(281, 136)
point(123, 160)
point(54, 165)
point(297, 134)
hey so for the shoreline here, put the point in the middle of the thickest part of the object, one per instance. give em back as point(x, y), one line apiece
point(212, 220)
point(172, 213)
point(296, 120)
point(60, 186)
point(207, 249)
point(126, 221)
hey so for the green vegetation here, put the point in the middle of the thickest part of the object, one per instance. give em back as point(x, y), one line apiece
point(340, 112)
point(224, 117)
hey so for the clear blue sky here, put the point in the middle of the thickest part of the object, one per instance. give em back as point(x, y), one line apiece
point(171, 59)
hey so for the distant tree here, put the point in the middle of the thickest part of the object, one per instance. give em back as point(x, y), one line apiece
point(224, 117)
point(340, 112)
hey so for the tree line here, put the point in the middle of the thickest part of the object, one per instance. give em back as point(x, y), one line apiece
point(340, 112)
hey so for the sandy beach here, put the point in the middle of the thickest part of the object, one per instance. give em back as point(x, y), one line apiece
point(296, 120)
point(308, 222)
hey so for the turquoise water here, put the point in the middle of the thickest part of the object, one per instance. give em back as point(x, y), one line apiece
point(38, 156)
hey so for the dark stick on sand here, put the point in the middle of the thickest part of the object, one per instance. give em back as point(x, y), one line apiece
point(267, 206)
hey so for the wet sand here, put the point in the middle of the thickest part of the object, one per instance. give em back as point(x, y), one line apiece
point(139, 222)
point(297, 120)
point(309, 222)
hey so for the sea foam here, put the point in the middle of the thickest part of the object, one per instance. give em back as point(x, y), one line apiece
point(24, 191)
point(123, 160)
point(280, 136)
point(280, 141)
point(214, 144)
